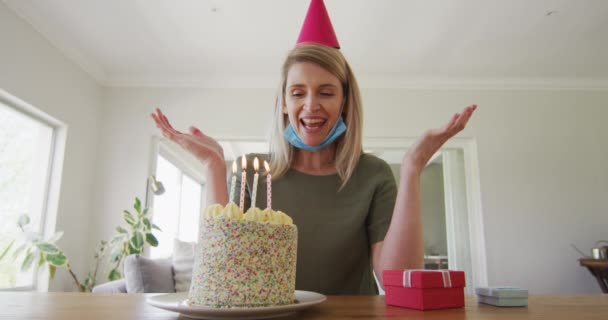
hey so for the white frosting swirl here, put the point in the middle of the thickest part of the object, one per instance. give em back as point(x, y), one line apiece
point(233, 212)
point(213, 211)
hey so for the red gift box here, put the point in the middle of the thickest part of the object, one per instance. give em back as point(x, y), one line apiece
point(424, 289)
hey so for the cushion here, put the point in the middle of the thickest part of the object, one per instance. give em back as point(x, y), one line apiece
point(183, 262)
point(116, 286)
point(143, 275)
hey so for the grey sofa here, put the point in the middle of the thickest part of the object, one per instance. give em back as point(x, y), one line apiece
point(142, 275)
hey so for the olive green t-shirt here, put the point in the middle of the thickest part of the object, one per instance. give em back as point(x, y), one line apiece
point(335, 227)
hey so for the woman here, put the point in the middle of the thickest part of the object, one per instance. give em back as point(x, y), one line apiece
point(341, 199)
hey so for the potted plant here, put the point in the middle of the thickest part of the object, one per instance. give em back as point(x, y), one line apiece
point(33, 250)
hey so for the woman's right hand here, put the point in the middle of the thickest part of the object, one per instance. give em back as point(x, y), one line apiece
point(203, 147)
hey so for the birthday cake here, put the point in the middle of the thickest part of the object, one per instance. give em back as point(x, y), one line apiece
point(244, 260)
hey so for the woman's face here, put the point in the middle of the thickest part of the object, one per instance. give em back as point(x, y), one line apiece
point(313, 101)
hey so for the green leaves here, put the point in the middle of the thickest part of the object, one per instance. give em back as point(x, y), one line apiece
point(6, 250)
point(57, 259)
point(52, 270)
point(27, 262)
point(40, 259)
point(130, 238)
point(147, 224)
point(151, 240)
point(89, 282)
point(114, 275)
point(137, 240)
point(19, 249)
point(116, 256)
point(129, 218)
point(132, 250)
point(137, 205)
point(47, 247)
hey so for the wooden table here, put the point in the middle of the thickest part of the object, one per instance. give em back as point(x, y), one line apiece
point(599, 269)
point(27, 305)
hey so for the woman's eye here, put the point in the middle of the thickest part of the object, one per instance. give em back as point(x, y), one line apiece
point(297, 94)
point(327, 94)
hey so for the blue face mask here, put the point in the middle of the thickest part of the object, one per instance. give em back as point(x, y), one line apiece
point(291, 135)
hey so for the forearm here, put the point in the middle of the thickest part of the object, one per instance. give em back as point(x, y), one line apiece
point(403, 246)
point(216, 187)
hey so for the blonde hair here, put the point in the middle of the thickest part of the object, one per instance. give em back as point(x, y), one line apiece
point(348, 146)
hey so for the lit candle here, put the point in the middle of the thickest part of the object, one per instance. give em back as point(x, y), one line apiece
point(254, 193)
point(233, 184)
point(268, 186)
point(243, 181)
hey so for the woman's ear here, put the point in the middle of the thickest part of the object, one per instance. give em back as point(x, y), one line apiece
point(284, 109)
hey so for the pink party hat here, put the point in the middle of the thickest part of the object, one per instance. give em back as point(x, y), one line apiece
point(317, 27)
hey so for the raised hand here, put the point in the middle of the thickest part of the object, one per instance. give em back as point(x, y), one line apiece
point(423, 149)
point(203, 147)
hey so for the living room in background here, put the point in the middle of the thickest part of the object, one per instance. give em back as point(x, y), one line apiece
point(31, 149)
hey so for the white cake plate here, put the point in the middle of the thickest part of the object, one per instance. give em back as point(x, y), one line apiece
point(175, 302)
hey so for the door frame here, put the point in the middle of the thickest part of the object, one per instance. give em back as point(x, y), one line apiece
point(473, 192)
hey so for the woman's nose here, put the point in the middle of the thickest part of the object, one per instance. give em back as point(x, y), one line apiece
point(311, 103)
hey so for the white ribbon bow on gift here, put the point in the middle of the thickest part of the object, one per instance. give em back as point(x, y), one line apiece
point(445, 274)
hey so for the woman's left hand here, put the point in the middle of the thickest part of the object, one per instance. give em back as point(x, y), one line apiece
point(425, 147)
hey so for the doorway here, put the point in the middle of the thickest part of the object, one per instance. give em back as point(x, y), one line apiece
point(450, 204)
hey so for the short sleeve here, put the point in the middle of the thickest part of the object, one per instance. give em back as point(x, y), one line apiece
point(382, 205)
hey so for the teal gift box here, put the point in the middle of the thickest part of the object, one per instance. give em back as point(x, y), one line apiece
point(502, 296)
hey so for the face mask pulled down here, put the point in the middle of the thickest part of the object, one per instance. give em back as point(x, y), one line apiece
point(291, 135)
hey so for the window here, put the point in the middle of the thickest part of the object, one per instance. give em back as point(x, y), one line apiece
point(177, 210)
point(27, 143)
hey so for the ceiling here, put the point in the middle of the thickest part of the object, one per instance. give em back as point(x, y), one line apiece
point(389, 43)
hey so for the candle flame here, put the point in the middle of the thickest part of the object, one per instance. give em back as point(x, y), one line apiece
point(244, 162)
point(266, 166)
point(256, 164)
point(234, 166)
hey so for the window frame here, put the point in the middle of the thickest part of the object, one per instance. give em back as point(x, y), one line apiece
point(52, 185)
point(182, 161)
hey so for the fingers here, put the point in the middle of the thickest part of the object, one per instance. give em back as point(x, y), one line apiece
point(196, 141)
point(157, 116)
point(466, 115)
point(158, 119)
point(448, 126)
point(195, 131)
point(458, 121)
point(158, 122)
point(164, 120)
point(163, 124)
point(154, 115)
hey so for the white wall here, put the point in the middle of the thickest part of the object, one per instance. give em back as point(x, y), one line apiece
point(542, 169)
point(36, 72)
point(541, 155)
